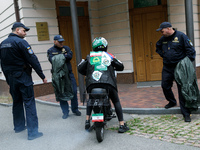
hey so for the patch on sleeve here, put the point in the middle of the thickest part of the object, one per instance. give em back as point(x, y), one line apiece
point(190, 42)
point(30, 51)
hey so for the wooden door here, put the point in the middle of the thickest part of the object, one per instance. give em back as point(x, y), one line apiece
point(153, 61)
point(66, 30)
point(148, 64)
point(139, 48)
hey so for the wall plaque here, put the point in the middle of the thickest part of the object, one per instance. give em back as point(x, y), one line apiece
point(42, 31)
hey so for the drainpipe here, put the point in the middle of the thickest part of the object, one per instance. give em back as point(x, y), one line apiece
point(77, 44)
point(17, 10)
point(189, 22)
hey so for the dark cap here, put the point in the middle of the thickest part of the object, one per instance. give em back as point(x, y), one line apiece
point(59, 38)
point(164, 25)
point(19, 24)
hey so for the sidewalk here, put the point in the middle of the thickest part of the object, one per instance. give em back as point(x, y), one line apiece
point(131, 96)
point(142, 100)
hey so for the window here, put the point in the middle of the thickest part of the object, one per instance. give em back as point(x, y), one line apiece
point(146, 3)
point(65, 11)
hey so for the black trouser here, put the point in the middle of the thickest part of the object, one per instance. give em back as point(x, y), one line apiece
point(23, 96)
point(167, 83)
point(113, 94)
point(74, 101)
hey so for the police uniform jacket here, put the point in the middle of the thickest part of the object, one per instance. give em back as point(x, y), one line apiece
point(65, 50)
point(174, 48)
point(17, 57)
point(108, 76)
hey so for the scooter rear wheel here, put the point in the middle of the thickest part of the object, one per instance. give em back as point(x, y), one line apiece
point(99, 133)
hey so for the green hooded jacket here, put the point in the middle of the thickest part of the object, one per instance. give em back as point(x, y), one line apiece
point(60, 79)
point(185, 75)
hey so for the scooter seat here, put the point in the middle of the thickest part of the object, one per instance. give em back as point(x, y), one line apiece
point(98, 93)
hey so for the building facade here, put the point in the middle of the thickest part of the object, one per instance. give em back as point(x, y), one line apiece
point(128, 25)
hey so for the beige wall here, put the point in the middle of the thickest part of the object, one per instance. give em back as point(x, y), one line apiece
point(110, 19)
point(39, 11)
point(176, 15)
point(7, 17)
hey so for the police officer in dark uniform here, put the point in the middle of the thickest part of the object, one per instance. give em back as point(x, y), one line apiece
point(59, 48)
point(17, 60)
point(173, 46)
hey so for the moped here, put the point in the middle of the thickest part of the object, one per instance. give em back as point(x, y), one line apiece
point(102, 111)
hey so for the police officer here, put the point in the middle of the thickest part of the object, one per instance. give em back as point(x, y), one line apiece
point(173, 46)
point(59, 48)
point(17, 61)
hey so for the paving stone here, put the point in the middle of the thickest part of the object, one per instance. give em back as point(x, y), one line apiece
point(171, 134)
point(148, 136)
point(188, 144)
point(177, 132)
point(191, 135)
point(198, 142)
point(184, 132)
point(191, 141)
point(182, 139)
point(187, 137)
point(178, 136)
point(196, 145)
point(178, 142)
point(198, 130)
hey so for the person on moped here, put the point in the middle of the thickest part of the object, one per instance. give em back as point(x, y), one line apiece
point(99, 68)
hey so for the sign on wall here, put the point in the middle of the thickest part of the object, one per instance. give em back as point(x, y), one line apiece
point(42, 31)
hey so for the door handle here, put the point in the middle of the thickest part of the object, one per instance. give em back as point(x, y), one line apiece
point(151, 50)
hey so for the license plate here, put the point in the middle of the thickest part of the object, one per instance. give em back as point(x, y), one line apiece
point(97, 117)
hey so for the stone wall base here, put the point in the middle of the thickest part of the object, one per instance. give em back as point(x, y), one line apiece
point(125, 78)
point(39, 89)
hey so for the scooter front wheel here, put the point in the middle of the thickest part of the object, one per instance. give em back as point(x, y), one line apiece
point(99, 133)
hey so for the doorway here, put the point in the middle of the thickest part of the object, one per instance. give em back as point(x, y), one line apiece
point(66, 30)
point(144, 22)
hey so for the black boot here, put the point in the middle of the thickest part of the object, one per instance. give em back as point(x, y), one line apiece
point(87, 124)
point(170, 104)
point(187, 118)
point(34, 136)
point(123, 128)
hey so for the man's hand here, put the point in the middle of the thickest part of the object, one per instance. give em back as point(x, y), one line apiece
point(44, 80)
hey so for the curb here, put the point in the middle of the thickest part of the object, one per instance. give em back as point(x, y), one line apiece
point(155, 111)
point(5, 104)
point(140, 111)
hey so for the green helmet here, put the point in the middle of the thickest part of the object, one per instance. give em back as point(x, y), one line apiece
point(99, 44)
